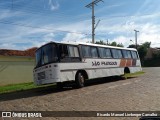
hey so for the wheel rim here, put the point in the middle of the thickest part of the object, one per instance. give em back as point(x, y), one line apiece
point(81, 79)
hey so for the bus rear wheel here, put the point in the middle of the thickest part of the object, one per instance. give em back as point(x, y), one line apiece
point(126, 71)
point(80, 80)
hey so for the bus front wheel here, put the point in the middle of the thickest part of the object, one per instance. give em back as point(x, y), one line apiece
point(80, 80)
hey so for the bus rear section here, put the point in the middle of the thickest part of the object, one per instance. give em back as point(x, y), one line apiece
point(46, 70)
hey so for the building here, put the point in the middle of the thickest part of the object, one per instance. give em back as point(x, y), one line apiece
point(151, 52)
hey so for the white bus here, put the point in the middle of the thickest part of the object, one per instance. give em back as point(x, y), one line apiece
point(59, 62)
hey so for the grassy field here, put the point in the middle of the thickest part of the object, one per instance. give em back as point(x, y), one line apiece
point(29, 86)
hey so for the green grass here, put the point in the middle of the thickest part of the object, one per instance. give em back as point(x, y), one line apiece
point(19, 87)
point(134, 74)
point(16, 87)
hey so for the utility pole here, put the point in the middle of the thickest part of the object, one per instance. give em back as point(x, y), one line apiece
point(92, 5)
point(107, 42)
point(136, 31)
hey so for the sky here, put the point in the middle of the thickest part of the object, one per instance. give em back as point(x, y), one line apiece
point(32, 23)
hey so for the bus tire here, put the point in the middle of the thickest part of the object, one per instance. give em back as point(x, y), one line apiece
point(80, 80)
point(126, 71)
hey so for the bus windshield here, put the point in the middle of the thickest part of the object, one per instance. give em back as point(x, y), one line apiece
point(45, 55)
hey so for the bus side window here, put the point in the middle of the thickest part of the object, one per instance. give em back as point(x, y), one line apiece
point(101, 52)
point(134, 55)
point(129, 54)
point(94, 52)
point(116, 53)
point(63, 51)
point(126, 54)
point(108, 53)
point(119, 53)
point(86, 52)
point(73, 50)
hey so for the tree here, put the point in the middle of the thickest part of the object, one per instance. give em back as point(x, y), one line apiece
point(120, 45)
point(142, 50)
point(111, 44)
point(147, 44)
point(132, 46)
point(100, 42)
point(116, 44)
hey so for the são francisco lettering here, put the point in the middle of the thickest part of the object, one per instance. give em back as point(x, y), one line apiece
point(97, 63)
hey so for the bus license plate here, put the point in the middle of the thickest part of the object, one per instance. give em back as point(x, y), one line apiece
point(41, 76)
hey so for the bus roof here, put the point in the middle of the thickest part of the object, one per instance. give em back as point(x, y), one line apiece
point(89, 44)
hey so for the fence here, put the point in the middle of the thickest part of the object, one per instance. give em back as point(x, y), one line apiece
point(15, 70)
